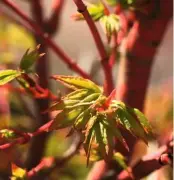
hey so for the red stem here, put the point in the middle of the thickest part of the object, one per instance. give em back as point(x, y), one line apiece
point(108, 85)
point(26, 137)
point(52, 24)
point(148, 164)
point(135, 70)
point(47, 39)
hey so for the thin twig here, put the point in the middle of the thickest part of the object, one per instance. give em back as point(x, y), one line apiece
point(25, 137)
point(108, 85)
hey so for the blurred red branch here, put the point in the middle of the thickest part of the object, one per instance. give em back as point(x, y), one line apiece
point(52, 24)
point(25, 137)
point(108, 85)
point(51, 163)
point(150, 162)
point(47, 39)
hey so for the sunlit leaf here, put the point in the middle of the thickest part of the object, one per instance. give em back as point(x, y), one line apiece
point(66, 118)
point(29, 58)
point(18, 173)
point(100, 139)
point(95, 10)
point(110, 24)
point(119, 158)
point(143, 121)
point(89, 100)
point(23, 82)
point(111, 125)
point(79, 94)
point(82, 119)
point(88, 143)
point(132, 125)
point(77, 83)
point(8, 75)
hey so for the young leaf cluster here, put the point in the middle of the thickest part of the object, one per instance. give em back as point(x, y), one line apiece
point(109, 21)
point(97, 117)
point(27, 61)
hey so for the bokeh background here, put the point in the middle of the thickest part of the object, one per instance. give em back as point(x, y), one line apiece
point(77, 42)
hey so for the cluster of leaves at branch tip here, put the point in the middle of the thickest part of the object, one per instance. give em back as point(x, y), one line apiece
point(109, 22)
point(88, 110)
point(27, 61)
point(97, 117)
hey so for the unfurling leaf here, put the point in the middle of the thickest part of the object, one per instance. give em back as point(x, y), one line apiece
point(29, 58)
point(110, 24)
point(8, 75)
point(77, 83)
point(95, 10)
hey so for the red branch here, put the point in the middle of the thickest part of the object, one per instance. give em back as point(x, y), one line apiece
point(108, 85)
point(52, 163)
point(47, 39)
point(150, 163)
point(25, 137)
point(141, 44)
point(52, 24)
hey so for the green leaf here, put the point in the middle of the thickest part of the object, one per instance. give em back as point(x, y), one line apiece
point(132, 125)
point(119, 158)
point(88, 143)
point(8, 75)
point(66, 118)
point(90, 124)
point(23, 82)
point(78, 94)
point(82, 119)
point(112, 126)
point(29, 58)
point(18, 173)
point(77, 83)
point(96, 11)
point(108, 139)
point(143, 121)
point(101, 140)
point(87, 101)
point(89, 136)
point(110, 24)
